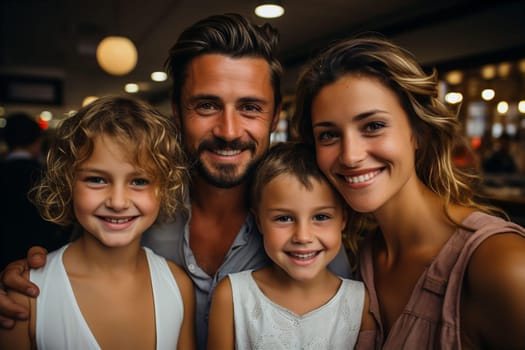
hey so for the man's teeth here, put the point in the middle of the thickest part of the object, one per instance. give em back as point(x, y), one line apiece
point(227, 152)
point(118, 221)
point(303, 256)
point(361, 178)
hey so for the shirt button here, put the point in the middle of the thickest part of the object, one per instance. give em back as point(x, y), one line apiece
point(191, 267)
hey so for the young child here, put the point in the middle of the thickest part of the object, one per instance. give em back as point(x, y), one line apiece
point(114, 169)
point(296, 302)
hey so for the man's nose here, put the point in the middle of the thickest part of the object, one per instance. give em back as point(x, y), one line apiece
point(229, 126)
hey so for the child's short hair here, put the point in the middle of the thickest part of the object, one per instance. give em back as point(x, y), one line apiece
point(148, 137)
point(291, 158)
point(298, 159)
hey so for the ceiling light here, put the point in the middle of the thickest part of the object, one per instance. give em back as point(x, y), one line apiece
point(117, 55)
point(88, 99)
point(521, 65)
point(269, 9)
point(504, 69)
point(502, 107)
point(497, 129)
point(131, 88)
point(454, 77)
point(159, 76)
point(46, 115)
point(521, 108)
point(454, 97)
point(488, 94)
point(488, 71)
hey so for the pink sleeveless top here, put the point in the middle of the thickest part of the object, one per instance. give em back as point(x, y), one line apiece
point(431, 320)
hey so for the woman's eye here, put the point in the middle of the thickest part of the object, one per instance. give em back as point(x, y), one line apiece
point(374, 126)
point(326, 136)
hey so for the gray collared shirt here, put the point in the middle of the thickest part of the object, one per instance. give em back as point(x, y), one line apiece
point(246, 253)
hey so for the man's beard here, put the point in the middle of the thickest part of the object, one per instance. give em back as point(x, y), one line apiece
point(224, 175)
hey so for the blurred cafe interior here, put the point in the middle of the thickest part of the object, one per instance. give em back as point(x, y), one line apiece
point(52, 61)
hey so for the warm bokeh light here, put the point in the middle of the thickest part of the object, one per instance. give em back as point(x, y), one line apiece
point(131, 88)
point(117, 55)
point(159, 76)
point(88, 99)
point(488, 94)
point(454, 77)
point(504, 69)
point(521, 106)
point(488, 71)
point(454, 97)
point(269, 10)
point(475, 142)
point(502, 107)
point(46, 115)
point(521, 65)
point(44, 124)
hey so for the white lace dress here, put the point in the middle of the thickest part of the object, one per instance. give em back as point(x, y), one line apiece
point(262, 324)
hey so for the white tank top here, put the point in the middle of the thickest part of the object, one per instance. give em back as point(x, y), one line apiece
point(60, 324)
point(262, 324)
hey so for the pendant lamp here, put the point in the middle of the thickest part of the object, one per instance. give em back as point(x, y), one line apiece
point(117, 55)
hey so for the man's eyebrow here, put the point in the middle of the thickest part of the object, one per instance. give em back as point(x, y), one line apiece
point(200, 97)
point(253, 99)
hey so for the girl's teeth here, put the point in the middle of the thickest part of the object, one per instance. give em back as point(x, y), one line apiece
point(117, 221)
point(303, 256)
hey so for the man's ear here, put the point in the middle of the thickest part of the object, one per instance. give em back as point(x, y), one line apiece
point(276, 115)
point(176, 114)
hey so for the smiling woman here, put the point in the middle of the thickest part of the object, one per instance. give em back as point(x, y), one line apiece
point(432, 256)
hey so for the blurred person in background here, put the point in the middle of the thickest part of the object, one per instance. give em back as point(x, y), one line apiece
point(500, 161)
point(21, 226)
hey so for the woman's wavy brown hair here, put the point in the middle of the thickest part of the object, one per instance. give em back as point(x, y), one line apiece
point(434, 125)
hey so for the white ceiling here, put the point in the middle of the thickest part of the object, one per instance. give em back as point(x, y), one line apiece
point(58, 38)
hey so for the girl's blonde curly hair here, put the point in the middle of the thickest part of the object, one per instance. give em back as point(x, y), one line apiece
point(149, 138)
